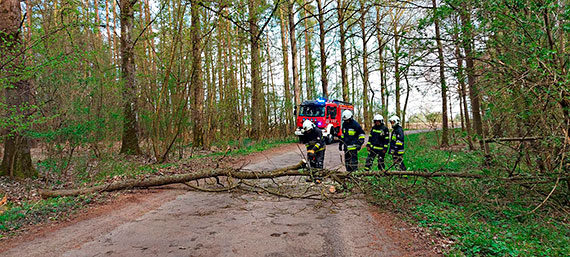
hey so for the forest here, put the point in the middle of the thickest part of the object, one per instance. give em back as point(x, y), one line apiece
point(158, 81)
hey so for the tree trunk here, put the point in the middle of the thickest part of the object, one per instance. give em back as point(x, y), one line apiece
point(309, 77)
point(365, 103)
point(382, 68)
point(397, 69)
point(17, 160)
point(445, 126)
point(284, 48)
point(344, 77)
point(324, 80)
point(130, 143)
point(196, 80)
point(462, 92)
point(473, 90)
point(293, 39)
point(256, 97)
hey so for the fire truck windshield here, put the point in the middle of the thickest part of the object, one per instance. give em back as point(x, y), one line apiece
point(312, 111)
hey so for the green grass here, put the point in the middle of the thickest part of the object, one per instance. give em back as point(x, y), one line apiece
point(17, 216)
point(483, 217)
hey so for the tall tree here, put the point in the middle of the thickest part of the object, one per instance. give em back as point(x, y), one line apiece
point(467, 35)
point(286, 85)
point(256, 87)
point(381, 63)
point(130, 142)
point(196, 78)
point(445, 129)
point(17, 160)
point(309, 74)
point(293, 39)
point(365, 103)
point(322, 34)
point(341, 11)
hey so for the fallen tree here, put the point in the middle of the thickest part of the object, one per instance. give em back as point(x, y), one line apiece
point(294, 170)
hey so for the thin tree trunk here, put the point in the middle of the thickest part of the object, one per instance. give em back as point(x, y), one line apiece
point(293, 39)
point(324, 80)
point(343, 72)
point(197, 84)
point(397, 69)
point(473, 90)
point(284, 46)
point(365, 103)
point(256, 98)
point(309, 81)
point(445, 125)
point(17, 160)
point(382, 66)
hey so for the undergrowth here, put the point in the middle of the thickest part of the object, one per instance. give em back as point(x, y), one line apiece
point(484, 217)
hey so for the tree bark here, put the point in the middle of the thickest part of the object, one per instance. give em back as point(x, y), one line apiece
point(397, 69)
point(462, 90)
point(445, 125)
point(17, 160)
point(130, 142)
point(365, 103)
point(309, 77)
point(293, 38)
point(322, 34)
point(382, 65)
point(342, 31)
point(196, 78)
point(256, 97)
point(473, 89)
point(284, 49)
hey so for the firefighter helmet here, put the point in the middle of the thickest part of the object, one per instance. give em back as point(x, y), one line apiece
point(307, 125)
point(346, 115)
point(395, 119)
point(378, 117)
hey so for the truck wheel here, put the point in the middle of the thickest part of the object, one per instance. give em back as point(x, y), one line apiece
point(329, 139)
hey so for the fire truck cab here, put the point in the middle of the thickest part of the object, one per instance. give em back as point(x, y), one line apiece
point(326, 114)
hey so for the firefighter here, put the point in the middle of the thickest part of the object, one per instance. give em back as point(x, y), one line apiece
point(313, 139)
point(352, 139)
point(378, 141)
point(397, 143)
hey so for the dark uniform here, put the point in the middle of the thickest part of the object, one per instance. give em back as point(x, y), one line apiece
point(352, 139)
point(378, 145)
point(397, 146)
point(315, 143)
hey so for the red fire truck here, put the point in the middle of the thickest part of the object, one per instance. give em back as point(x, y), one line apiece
point(326, 114)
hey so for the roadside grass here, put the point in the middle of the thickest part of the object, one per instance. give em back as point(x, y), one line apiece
point(484, 217)
point(86, 170)
point(28, 213)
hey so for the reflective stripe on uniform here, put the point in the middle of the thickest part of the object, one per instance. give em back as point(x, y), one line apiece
point(378, 147)
point(351, 132)
point(377, 131)
point(352, 147)
point(401, 151)
point(362, 136)
point(399, 143)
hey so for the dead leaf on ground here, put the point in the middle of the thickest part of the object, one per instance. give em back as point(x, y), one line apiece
point(4, 200)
